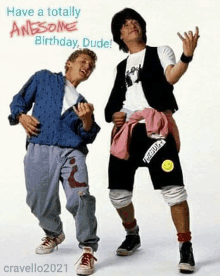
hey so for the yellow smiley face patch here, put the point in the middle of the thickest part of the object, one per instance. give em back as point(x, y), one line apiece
point(167, 165)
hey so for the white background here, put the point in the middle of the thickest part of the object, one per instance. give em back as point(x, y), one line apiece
point(197, 94)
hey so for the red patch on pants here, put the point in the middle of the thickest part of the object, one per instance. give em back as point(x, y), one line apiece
point(72, 181)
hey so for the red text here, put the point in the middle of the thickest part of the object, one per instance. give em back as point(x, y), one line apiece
point(33, 28)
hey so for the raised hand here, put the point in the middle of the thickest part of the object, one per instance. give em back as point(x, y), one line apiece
point(189, 42)
point(85, 111)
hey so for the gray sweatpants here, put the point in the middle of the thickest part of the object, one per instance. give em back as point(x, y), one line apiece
point(44, 167)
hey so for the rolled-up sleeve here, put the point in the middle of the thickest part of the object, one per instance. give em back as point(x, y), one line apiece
point(88, 136)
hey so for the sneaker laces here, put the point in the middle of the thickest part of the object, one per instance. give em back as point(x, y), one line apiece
point(47, 240)
point(86, 259)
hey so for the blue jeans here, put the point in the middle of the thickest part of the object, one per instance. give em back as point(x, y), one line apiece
point(45, 166)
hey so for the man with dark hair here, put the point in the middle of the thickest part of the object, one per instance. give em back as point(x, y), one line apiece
point(61, 125)
point(143, 90)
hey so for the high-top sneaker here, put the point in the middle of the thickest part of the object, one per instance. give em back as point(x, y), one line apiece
point(130, 244)
point(187, 263)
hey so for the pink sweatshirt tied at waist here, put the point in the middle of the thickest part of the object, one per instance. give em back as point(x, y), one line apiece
point(156, 127)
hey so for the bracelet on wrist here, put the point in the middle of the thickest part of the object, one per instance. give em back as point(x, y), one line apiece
point(185, 59)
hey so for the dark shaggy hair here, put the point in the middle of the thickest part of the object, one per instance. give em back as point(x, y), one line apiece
point(119, 19)
point(77, 53)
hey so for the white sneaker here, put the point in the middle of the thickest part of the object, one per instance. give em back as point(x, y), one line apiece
point(49, 244)
point(86, 263)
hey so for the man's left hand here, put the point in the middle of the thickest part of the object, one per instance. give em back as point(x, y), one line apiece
point(189, 42)
point(85, 111)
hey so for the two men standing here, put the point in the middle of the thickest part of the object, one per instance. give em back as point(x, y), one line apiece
point(145, 134)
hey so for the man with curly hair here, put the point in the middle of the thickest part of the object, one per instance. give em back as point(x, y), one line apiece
point(58, 131)
point(143, 91)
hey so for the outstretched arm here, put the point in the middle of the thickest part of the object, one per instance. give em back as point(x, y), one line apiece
point(174, 72)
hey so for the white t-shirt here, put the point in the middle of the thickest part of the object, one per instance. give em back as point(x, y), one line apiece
point(134, 97)
point(70, 96)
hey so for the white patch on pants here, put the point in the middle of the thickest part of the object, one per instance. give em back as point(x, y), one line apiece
point(120, 198)
point(153, 150)
point(173, 194)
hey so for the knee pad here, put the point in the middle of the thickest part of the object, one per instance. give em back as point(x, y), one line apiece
point(174, 194)
point(120, 198)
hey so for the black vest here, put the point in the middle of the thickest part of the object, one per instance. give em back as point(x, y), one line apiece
point(158, 92)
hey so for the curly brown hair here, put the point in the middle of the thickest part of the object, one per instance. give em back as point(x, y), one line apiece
point(77, 53)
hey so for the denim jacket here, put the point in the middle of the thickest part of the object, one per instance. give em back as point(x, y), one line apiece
point(46, 91)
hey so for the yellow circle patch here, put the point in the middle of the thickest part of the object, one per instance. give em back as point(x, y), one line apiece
point(168, 165)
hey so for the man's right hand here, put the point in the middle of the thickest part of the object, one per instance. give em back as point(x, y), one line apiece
point(189, 42)
point(118, 118)
point(30, 124)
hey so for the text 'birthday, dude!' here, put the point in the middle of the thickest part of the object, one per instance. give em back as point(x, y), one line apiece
point(74, 43)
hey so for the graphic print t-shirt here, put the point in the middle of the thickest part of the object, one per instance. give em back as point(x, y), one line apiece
point(135, 98)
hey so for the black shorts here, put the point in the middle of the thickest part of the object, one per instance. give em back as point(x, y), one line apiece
point(160, 156)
